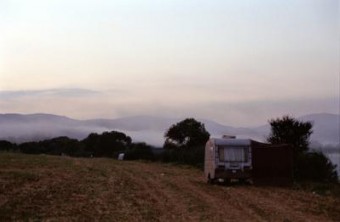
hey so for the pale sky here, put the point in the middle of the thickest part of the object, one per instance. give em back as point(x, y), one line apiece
point(235, 62)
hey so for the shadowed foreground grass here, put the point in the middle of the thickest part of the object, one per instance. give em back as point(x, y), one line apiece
point(40, 187)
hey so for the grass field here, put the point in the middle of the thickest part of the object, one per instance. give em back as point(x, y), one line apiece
point(41, 187)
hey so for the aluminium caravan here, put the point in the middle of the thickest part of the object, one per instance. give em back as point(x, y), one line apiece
point(227, 159)
point(245, 159)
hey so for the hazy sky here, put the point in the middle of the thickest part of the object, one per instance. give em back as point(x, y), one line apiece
point(236, 62)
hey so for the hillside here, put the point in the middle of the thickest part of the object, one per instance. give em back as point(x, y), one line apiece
point(21, 128)
point(40, 187)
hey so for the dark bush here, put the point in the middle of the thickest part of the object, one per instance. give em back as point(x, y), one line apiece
point(315, 166)
point(7, 146)
point(139, 151)
point(32, 148)
point(193, 156)
point(55, 146)
point(107, 144)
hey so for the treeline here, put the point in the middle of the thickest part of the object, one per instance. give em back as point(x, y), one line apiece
point(107, 144)
point(184, 144)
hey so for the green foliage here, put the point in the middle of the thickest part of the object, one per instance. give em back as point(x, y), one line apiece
point(32, 148)
point(55, 146)
point(315, 166)
point(193, 156)
point(187, 133)
point(185, 142)
point(106, 144)
point(290, 131)
point(7, 146)
point(62, 145)
point(311, 166)
point(138, 151)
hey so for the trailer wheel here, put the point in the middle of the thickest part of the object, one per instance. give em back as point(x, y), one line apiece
point(243, 181)
point(226, 182)
point(210, 180)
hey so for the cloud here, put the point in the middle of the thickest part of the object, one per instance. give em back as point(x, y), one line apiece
point(221, 107)
point(242, 113)
point(57, 92)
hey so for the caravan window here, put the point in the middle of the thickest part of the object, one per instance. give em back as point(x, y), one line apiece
point(233, 154)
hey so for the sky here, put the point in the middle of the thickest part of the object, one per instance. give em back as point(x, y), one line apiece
point(239, 63)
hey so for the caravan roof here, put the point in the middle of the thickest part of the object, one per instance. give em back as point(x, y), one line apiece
point(231, 142)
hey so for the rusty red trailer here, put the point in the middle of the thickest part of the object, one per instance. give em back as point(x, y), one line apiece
point(272, 164)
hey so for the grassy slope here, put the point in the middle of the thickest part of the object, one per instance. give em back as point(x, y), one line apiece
point(61, 188)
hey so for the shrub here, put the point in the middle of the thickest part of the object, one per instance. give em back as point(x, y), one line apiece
point(193, 156)
point(7, 146)
point(315, 166)
point(138, 151)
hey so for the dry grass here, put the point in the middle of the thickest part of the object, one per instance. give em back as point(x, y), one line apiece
point(52, 188)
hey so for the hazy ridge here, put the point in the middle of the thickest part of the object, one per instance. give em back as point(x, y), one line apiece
point(21, 128)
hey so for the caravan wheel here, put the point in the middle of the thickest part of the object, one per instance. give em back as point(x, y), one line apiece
point(210, 180)
point(226, 181)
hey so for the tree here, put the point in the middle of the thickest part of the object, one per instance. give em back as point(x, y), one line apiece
point(31, 148)
point(290, 131)
point(139, 151)
point(316, 166)
point(106, 144)
point(61, 145)
point(187, 133)
point(7, 146)
point(307, 165)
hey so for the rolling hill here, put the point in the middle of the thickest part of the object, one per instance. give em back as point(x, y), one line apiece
point(21, 128)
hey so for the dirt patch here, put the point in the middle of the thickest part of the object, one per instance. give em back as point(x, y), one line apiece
point(68, 189)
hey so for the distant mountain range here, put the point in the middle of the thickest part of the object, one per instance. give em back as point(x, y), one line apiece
point(21, 128)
